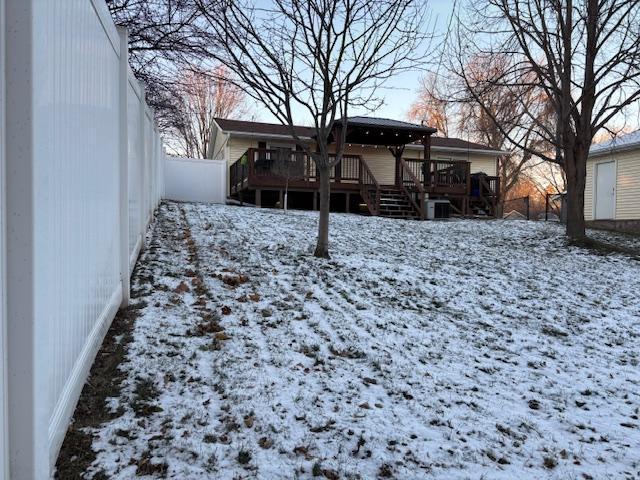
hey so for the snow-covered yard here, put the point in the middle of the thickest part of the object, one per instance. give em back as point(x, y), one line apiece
point(463, 349)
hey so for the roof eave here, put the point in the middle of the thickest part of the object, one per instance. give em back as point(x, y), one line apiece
point(414, 128)
point(280, 136)
point(615, 149)
point(245, 134)
point(461, 149)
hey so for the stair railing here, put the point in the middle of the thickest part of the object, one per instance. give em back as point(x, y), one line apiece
point(412, 188)
point(369, 188)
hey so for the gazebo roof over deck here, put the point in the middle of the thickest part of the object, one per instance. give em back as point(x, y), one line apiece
point(384, 131)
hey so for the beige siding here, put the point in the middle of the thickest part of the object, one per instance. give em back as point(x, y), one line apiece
point(217, 148)
point(380, 161)
point(484, 163)
point(479, 163)
point(237, 146)
point(588, 192)
point(627, 185)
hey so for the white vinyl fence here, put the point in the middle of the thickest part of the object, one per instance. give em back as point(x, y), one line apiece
point(195, 180)
point(82, 173)
point(4, 453)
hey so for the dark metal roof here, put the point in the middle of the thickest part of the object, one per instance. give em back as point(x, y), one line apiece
point(260, 128)
point(267, 129)
point(388, 124)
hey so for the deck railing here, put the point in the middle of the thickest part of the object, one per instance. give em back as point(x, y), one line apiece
point(278, 164)
point(269, 168)
point(485, 192)
point(441, 176)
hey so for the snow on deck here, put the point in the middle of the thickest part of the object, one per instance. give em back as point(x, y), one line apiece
point(462, 349)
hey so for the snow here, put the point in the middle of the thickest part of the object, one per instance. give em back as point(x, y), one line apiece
point(628, 140)
point(456, 349)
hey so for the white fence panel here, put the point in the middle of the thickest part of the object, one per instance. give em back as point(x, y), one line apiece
point(82, 165)
point(76, 129)
point(134, 106)
point(4, 457)
point(191, 180)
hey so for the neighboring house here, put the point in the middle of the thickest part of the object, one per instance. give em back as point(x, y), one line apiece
point(612, 190)
point(383, 168)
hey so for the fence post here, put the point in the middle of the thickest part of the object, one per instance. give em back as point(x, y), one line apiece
point(546, 207)
point(143, 148)
point(528, 210)
point(124, 165)
point(4, 451)
point(28, 350)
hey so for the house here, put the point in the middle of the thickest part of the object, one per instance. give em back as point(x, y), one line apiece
point(389, 167)
point(612, 190)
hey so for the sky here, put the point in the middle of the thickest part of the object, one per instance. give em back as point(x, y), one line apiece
point(400, 91)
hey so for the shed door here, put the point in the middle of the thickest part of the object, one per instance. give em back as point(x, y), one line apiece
point(605, 176)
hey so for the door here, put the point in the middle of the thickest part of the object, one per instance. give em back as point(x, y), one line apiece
point(605, 190)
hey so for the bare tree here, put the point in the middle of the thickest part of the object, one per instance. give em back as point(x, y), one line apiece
point(318, 59)
point(289, 165)
point(166, 37)
point(446, 102)
point(434, 105)
point(582, 54)
point(496, 117)
point(202, 96)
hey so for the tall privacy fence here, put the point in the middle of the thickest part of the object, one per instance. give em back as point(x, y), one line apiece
point(81, 171)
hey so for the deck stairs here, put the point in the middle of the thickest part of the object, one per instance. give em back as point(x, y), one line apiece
point(395, 204)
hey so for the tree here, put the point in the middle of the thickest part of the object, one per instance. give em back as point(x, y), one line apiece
point(583, 55)
point(320, 59)
point(434, 106)
point(494, 115)
point(289, 165)
point(201, 97)
point(166, 37)
point(446, 102)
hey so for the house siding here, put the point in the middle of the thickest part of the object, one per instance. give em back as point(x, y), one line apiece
point(479, 163)
point(216, 150)
point(380, 161)
point(627, 185)
point(588, 191)
point(237, 146)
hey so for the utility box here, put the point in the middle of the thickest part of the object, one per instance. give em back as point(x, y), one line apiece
point(437, 209)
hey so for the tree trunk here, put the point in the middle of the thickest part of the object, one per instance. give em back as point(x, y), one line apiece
point(286, 195)
point(322, 247)
point(500, 206)
point(576, 172)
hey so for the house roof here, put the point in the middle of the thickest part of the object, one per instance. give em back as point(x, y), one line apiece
point(260, 128)
point(242, 127)
point(623, 142)
point(451, 142)
point(388, 123)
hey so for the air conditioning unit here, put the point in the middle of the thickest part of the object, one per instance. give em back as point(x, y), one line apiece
point(437, 209)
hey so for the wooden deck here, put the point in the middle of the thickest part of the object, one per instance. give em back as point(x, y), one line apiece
point(261, 169)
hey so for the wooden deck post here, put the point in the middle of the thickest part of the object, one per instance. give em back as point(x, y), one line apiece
point(280, 199)
point(348, 202)
point(315, 201)
point(426, 143)
point(259, 198)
